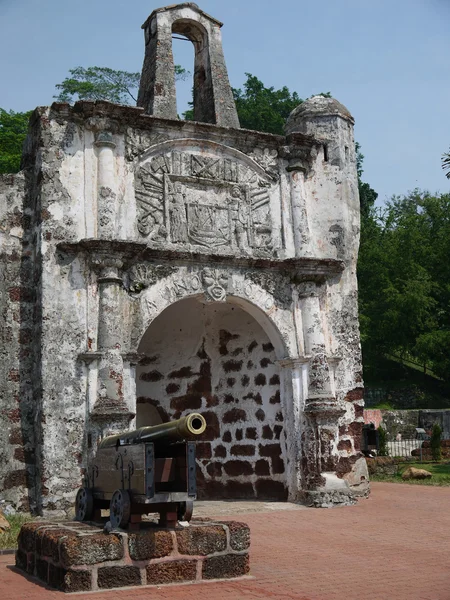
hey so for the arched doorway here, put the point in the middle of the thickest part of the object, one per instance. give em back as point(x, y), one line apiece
point(217, 359)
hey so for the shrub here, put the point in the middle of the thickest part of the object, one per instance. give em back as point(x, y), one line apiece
point(435, 442)
point(382, 442)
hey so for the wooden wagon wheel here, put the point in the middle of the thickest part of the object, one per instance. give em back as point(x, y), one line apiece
point(185, 510)
point(120, 509)
point(84, 505)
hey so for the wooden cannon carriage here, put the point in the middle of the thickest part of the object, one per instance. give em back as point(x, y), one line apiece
point(148, 470)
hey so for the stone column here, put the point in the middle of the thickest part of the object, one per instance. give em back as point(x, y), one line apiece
point(110, 409)
point(320, 484)
point(106, 196)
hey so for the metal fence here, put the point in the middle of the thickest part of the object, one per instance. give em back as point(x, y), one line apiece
point(406, 448)
point(415, 448)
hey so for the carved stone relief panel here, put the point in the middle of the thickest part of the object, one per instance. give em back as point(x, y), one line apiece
point(212, 202)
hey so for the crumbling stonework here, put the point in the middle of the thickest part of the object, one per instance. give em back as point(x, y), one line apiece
point(126, 222)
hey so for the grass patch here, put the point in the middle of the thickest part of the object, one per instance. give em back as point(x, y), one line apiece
point(8, 539)
point(440, 472)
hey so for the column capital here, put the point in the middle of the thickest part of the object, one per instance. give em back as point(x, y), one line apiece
point(104, 139)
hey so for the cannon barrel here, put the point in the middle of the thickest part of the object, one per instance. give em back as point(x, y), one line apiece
point(173, 431)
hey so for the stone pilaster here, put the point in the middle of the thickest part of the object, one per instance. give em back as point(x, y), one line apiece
point(319, 431)
point(106, 195)
point(110, 409)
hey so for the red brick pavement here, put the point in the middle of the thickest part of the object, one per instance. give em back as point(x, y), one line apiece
point(393, 546)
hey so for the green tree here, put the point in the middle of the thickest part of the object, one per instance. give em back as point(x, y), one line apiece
point(435, 442)
point(403, 276)
point(13, 130)
point(102, 83)
point(382, 442)
point(446, 164)
point(261, 108)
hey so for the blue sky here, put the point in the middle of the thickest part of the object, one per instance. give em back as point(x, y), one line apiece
point(386, 60)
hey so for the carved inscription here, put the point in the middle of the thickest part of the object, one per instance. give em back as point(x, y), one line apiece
point(209, 201)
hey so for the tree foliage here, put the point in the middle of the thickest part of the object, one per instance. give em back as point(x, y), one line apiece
point(13, 130)
point(261, 108)
point(382, 442)
point(102, 83)
point(404, 276)
point(446, 164)
point(435, 442)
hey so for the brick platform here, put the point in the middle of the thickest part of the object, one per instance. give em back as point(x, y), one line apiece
point(75, 557)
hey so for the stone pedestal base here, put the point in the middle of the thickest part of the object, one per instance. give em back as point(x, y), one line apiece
point(75, 557)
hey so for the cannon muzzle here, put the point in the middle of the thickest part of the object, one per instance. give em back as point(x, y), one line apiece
point(173, 431)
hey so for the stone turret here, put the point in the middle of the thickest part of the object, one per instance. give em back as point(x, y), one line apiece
point(213, 98)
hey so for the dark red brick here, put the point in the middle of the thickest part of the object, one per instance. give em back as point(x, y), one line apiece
point(183, 373)
point(345, 445)
point(220, 451)
point(15, 479)
point(226, 436)
point(239, 536)
point(77, 581)
point(232, 365)
point(260, 379)
point(275, 399)
point(270, 450)
point(187, 402)
point(201, 540)
point(267, 432)
point(239, 434)
point(236, 468)
point(270, 490)
point(112, 577)
point(15, 436)
point(277, 429)
point(221, 567)
point(234, 415)
point(203, 450)
point(214, 469)
point(242, 450)
point(236, 490)
point(151, 376)
point(260, 414)
point(275, 379)
point(355, 394)
point(212, 431)
point(171, 572)
point(277, 465)
point(251, 433)
point(262, 468)
point(90, 549)
point(252, 346)
point(148, 544)
point(172, 388)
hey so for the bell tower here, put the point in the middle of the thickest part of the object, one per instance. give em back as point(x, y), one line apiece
point(213, 98)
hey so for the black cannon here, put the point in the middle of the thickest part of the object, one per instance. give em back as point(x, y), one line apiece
point(370, 441)
point(148, 470)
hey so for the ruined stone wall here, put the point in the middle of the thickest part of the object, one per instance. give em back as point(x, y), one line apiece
point(130, 219)
point(16, 301)
point(216, 359)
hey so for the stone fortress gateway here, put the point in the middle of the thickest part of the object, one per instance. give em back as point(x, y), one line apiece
point(153, 266)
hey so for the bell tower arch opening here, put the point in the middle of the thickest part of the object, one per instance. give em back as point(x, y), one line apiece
point(217, 359)
point(213, 97)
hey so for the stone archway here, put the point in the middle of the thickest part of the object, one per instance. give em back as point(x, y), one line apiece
point(216, 358)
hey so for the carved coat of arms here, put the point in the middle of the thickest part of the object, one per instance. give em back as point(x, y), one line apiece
point(195, 199)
